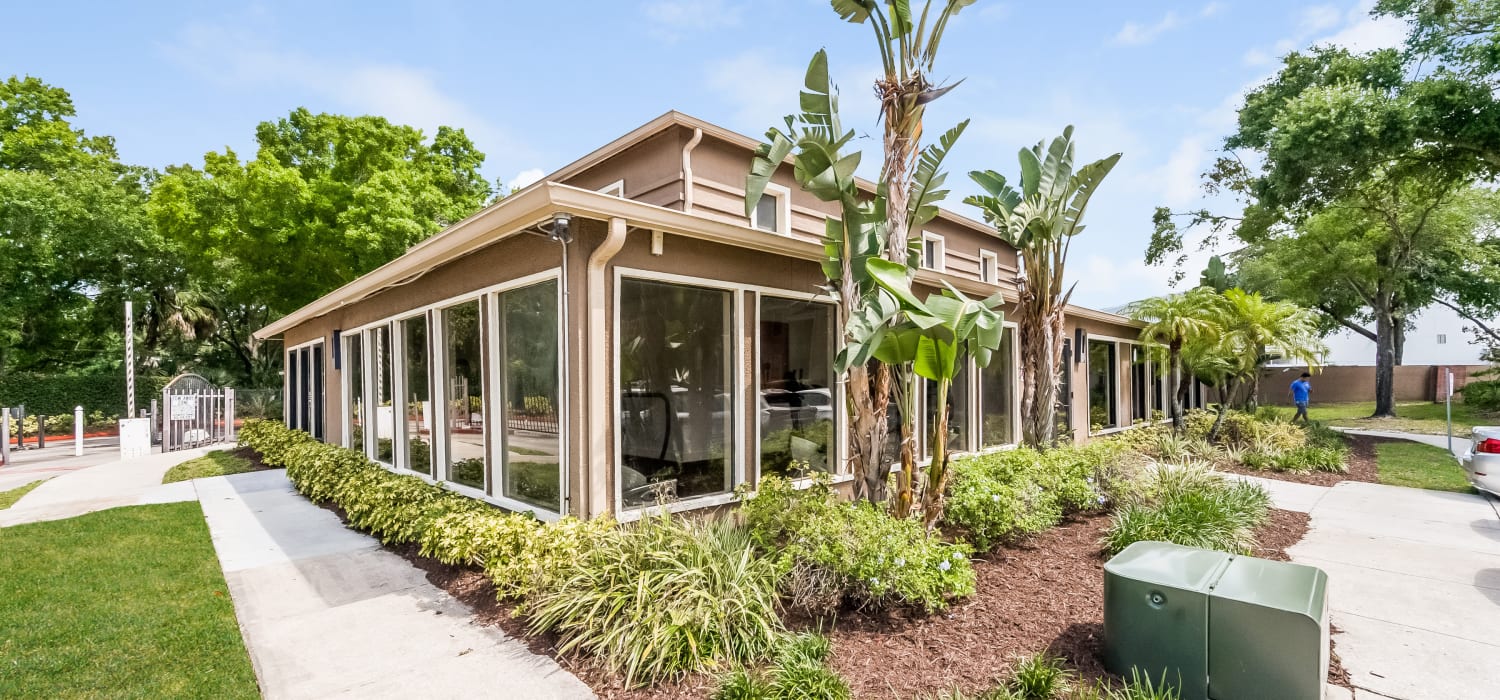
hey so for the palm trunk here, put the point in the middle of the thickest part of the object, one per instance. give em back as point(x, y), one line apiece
point(906, 478)
point(937, 468)
point(1039, 335)
point(1175, 351)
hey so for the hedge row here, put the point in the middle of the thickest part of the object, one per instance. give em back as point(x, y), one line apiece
point(57, 394)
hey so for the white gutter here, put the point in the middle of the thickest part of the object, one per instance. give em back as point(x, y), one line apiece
point(598, 351)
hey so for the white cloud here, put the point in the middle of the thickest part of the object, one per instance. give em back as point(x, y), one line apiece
point(231, 54)
point(674, 18)
point(757, 86)
point(996, 12)
point(524, 178)
point(1212, 9)
point(1328, 25)
point(1179, 175)
point(1136, 33)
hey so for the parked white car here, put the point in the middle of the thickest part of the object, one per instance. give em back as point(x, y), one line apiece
point(1482, 461)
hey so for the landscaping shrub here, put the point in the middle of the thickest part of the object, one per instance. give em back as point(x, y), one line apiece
point(1040, 677)
point(50, 394)
point(1484, 395)
point(664, 598)
point(541, 559)
point(798, 671)
point(1004, 496)
point(837, 553)
point(1190, 505)
point(272, 440)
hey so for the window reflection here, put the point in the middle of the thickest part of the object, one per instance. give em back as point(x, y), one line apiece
point(385, 394)
point(958, 413)
point(997, 395)
point(1102, 388)
point(796, 399)
point(677, 397)
point(354, 369)
point(533, 445)
point(417, 402)
point(464, 381)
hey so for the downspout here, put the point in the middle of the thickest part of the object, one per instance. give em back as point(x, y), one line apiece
point(687, 170)
point(565, 404)
point(599, 353)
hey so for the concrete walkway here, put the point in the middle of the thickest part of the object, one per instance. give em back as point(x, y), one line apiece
point(110, 485)
point(326, 612)
point(1414, 585)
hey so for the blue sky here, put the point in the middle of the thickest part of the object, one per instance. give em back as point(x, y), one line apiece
point(538, 84)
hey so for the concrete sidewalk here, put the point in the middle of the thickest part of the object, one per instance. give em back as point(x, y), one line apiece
point(1414, 584)
point(111, 485)
point(325, 611)
point(1460, 444)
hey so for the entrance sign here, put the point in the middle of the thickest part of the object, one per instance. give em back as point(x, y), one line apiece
point(184, 407)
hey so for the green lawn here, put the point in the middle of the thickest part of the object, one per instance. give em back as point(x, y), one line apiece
point(128, 602)
point(1419, 466)
point(1423, 417)
point(9, 498)
point(216, 463)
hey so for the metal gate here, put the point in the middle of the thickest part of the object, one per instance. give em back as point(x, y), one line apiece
point(194, 412)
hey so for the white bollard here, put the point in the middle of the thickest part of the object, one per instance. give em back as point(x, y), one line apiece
point(77, 431)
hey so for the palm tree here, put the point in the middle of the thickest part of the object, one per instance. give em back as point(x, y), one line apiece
point(1040, 221)
point(1172, 321)
point(907, 51)
point(1255, 326)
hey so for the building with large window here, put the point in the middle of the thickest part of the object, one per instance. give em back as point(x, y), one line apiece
point(621, 334)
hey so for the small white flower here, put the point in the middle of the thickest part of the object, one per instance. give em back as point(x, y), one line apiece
point(900, 561)
point(1089, 479)
point(944, 565)
point(874, 581)
point(995, 498)
point(957, 556)
point(1101, 500)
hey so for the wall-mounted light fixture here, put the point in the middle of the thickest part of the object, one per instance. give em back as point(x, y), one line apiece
point(560, 231)
point(1080, 341)
point(338, 349)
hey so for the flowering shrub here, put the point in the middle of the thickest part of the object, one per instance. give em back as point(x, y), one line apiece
point(835, 553)
point(1005, 496)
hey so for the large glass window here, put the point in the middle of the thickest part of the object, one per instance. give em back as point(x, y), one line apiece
point(533, 444)
point(796, 397)
point(1140, 384)
point(676, 392)
point(304, 371)
point(294, 393)
point(463, 380)
point(354, 401)
point(384, 394)
point(416, 400)
point(997, 395)
point(1102, 385)
point(958, 413)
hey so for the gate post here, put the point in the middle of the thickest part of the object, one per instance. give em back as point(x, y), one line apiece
point(166, 420)
point(4, 435)
point(228, 414)
point(77, 431)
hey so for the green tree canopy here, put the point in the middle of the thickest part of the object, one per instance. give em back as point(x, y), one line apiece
point(329, 196)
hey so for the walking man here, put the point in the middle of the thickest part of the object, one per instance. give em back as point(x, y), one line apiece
point(1301, 391)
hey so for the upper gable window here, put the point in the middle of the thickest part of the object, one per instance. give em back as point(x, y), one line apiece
point(614, 189)
point(933, 252)
point(773, 212)
point(989, 267)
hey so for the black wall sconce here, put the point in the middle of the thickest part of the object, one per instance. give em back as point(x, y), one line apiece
point(1080, 340)
point(337, 349)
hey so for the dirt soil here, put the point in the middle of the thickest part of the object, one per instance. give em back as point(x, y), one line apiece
point(253, 457)
point(1045, 594)
point(1361, 466)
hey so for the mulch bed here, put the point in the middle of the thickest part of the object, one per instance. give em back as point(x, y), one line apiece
point(1045, 594)
point(1362, 466)
point(250, 455)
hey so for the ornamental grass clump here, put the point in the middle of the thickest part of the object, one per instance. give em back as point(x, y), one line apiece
point(662, 599)
point(798, 671)
point(1190, 505)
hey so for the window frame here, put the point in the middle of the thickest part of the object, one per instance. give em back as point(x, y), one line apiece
point(837, 468)
point(614, 189)
point(989, 267)
point(940, 257)
point(783, 196)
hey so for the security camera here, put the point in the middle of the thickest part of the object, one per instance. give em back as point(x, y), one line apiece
point(560, 232)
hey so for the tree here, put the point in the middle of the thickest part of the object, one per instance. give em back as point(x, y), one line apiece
point(1173, 321)
point(908, 48)
point(1040, 221)
point(1250, 326)
point(329, 196)
point(935, 337)
point(74, 239)
point(815, 139)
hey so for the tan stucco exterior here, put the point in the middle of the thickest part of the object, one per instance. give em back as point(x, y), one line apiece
point(681, 217)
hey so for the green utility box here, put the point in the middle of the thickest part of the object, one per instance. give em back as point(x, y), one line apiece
point(1268, 631)
point(1216, 625)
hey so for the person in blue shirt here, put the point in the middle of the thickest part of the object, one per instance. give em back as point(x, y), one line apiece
point(1301, 391)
